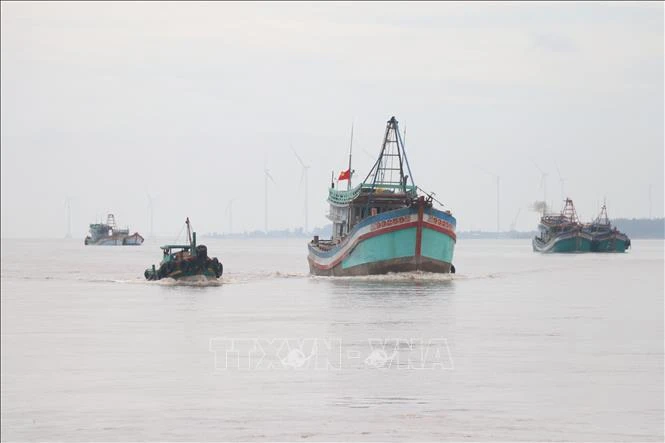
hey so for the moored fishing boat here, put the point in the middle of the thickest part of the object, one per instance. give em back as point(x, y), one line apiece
point(185, 261)
point(605, 237)
point(384, 225)
point(562, 232)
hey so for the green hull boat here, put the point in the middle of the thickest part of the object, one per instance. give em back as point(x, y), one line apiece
point(605, 237)
point(562, 233)
point(185, 261)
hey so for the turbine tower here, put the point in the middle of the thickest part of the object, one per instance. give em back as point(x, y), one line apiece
point(543, 184)
point(68, 208)
point(514, 223)
point(229, 210)
point(303, 175)
point(151, 214)
point(649, 201)
point(561, 180)
point(498, 197)
point(267, 177)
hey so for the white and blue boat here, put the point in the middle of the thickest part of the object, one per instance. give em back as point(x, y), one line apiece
point(384, 224)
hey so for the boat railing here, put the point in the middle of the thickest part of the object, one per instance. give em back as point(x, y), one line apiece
point(342, 197)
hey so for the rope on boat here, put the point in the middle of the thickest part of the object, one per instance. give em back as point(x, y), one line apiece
point(179, 234)
point(431, 195)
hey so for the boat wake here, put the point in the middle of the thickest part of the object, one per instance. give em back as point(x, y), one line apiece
point(195, 280)
point(254, 277)
point(397, 277)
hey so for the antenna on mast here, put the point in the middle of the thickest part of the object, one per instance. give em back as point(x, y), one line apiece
point(348, 183)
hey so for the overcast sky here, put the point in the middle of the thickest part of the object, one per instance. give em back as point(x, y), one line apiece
point(105, 103)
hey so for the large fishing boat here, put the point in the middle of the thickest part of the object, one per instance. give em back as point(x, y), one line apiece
point(562, 232)
point(108, 234)
point(606, 238)
point(183, 261)
point(384, 225)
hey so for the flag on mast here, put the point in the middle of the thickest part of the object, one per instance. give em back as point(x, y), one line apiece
point(344, 175)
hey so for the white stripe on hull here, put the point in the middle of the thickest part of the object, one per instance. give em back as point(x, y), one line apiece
point(350, 242)
point(547, 247)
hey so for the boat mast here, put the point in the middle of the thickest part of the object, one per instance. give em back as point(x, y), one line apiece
point(189, 231)
point(569, 212)
point(602, 218)
point(384, 173)
point(348, 183)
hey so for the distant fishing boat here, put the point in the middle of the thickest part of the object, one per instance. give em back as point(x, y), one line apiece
point(183, 261)
point(108, 234)
point(606, 238)
point(384, 225)
point(562, 232)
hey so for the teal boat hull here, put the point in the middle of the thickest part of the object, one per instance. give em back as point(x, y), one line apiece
point(610, 243)
point(570, 242)
point(402, 240)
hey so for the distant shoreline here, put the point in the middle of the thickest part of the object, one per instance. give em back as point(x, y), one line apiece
point(636, 228)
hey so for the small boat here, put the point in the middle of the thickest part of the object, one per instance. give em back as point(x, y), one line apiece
point(384, 225)
point(606, 238)
point(184, 261)
point(108, 234)
point(562, 232)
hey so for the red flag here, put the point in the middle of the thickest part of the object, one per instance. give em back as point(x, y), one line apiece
point(344, 175)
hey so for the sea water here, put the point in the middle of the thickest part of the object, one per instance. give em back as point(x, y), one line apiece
point(515, 346)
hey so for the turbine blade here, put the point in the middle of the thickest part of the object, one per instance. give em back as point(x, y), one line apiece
point(270, 177)
point(557, 170)
point(537, 167)
point(302, 177)
point(302, 163)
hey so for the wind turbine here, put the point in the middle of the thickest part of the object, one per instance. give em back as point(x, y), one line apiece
point(68, 208)
point(649, 201)
point(498, 195)
point(543, 183)
point(151, 214)
point(303, 175)
point(229, 210)
point(512, 225)
point(561, 180)
point(267, 177)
